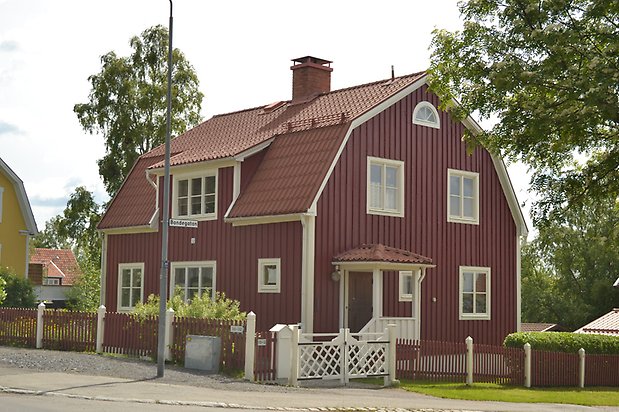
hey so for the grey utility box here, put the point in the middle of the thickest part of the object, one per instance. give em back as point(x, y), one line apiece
point(203, 352)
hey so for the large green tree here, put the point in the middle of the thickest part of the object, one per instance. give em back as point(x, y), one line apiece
point(127, 102)
point(547, 71)
point(569, 269)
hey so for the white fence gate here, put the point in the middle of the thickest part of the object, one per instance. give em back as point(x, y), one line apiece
point(345, 356)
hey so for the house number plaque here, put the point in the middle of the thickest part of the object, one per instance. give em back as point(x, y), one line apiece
point(236, 329)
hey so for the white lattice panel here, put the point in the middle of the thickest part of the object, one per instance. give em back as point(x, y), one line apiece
point(367, 359)
point(319, 360)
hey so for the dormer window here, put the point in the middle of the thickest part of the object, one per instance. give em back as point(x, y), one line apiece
point(425, 114)
point(195, 196)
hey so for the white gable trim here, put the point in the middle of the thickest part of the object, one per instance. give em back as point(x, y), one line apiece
point(22, 198)
point(469, 123)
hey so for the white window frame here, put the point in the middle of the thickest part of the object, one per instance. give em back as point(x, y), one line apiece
point(460, 218)
point(403, 295)
point(1, 201)
point(429, 105)
point(131, 266)
point(189, 176)
point(193, 264)
point(51, 281)
point(264, 288)
point(475, 316)
point(399, 211)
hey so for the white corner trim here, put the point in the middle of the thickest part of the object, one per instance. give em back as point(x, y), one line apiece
point(518, 284)
point(307, 272)
point(236, 186)
point(1, 201)
point(103, 279)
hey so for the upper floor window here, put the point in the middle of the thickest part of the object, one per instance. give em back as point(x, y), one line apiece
point(195, 196)
point(425, 114)
point(193, 279)
point(385, 187)
point(51, 282)
point(463, 197)
point(269, 275)
point(130, 285)
point(474, 293)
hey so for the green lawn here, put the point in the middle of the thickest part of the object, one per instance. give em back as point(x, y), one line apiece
point(594, 396)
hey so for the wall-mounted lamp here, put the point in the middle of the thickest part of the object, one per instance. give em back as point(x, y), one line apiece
point(336, 275)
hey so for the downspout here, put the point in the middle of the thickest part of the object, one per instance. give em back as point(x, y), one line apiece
point(307, 273)
point(103, 279)
point(27, 255)
point(421, 274)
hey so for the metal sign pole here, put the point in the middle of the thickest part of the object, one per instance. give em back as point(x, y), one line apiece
point(163, 279)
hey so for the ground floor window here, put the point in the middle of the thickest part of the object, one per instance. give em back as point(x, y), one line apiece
point(269, 275)
point(407, 286)
point(193, 278)
point(474, 292)
point(130, 285)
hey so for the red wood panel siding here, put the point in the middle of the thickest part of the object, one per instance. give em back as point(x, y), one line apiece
point(236, 251)
point(342, 223)
point(249, 167)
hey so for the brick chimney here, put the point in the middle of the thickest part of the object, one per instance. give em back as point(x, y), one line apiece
point(310, 76)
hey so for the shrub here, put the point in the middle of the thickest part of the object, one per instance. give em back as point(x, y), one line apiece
point(565, 342)
point(199, 307)
point(19, 291)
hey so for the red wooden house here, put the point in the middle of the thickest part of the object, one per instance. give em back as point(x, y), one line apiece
point(347, 208)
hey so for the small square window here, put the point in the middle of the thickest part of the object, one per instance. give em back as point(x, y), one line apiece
point(474, 293)
point(269, 275)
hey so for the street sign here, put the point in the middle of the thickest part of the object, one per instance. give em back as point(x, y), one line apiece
point(183, 223)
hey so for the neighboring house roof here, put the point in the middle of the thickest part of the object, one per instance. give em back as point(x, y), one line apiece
point(302, 140)
point(605, 325)
point(540, 327)
point(22, 198)
point(381, 253)
point(59, 263)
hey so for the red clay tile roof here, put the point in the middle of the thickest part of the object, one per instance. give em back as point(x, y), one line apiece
point(381, 253)
point(605, 325)
point(59, 263)
point(539, 327)
point(316, 127)
point(134, 204)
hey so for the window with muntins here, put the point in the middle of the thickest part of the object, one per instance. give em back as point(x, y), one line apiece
point(130, 285)
point(269, 275)
point(463, 197)
point(196, 196)
point(193, 279)
point(51, 281)
point(425, 114)
point(385, 192)
point(474, 292)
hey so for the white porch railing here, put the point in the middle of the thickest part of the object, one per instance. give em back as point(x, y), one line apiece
point(406, 327)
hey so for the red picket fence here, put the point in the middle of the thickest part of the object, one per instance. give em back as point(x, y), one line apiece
point(431, 360)
point(265, 364)
point(71, 331)
point(601, 370)
point(554, 368)
point(18, 327)
point(232, 343)
point(128, 334)
point(498, 364)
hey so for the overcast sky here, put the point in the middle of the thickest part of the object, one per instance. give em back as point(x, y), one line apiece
point(241, 51)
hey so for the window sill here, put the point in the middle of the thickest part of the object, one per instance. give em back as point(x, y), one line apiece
point(268, 290)
point(385, 213)
point(452, 219)
point(199, 218)
point(474, 317)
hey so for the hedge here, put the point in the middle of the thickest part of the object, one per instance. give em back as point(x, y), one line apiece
point(565, 342)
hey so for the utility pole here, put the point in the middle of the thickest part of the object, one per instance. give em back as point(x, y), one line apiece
point(163, 278)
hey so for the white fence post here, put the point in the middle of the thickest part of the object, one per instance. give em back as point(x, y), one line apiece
point(345, 333)
point(169, 334)
point(294, 356)
point(392, 353)
point(40, 310)
point(100, 328)
point(527, 365)
point(469, 360)
point(250, 346)
point(581, 369)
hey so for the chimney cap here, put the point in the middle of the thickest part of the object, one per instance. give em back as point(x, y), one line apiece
point(311, 59)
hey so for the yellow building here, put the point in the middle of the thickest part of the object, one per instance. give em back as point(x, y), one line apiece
point(17, 223)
